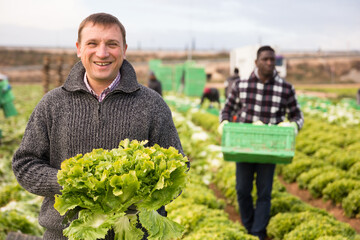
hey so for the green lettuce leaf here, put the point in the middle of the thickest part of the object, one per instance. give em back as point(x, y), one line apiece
point(125, 228)
point(159, 227)
point(90, 225)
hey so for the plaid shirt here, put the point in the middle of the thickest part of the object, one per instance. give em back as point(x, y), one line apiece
point(106, 90)
point(270, 102)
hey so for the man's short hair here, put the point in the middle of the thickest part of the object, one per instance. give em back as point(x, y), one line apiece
point(262, 49)
point(104, 19)
point(236, 70)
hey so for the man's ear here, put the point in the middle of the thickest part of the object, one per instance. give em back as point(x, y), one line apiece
point(124, 53)
point(78, 52)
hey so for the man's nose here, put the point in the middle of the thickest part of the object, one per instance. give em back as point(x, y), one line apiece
point(270, 61)
point(102, 51)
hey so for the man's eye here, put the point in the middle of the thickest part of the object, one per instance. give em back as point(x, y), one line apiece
point(92, 43)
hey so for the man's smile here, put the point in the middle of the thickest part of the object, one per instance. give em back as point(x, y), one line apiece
point(102, 63)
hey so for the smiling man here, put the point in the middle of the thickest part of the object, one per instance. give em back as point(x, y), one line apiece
point(101, 47)
point(100, 104)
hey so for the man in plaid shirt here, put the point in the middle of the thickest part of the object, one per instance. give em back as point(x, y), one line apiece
point(267, 98)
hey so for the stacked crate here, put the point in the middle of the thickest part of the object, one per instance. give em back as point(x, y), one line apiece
point(185, 77)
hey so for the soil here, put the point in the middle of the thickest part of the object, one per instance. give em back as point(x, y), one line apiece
point(229, 209)
point(317, 94)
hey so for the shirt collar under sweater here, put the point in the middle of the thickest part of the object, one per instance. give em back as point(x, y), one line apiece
point(106, 91)
point(128, 83)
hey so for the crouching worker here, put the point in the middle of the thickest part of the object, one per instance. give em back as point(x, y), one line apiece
point(154, 83)
point(211, 94)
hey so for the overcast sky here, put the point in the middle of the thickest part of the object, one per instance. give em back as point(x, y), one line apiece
point(173, 24)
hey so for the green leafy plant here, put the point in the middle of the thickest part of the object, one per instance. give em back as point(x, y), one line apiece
point(283, 202)
point(283, 223)
point(337, 237)
point(315, 228)
point(109, 188)
point(306, 225)
point(320, 182)
point(355, 170)
point(208, 121)
point(305, 178)
point(338, 190)
point(351, 204)
point(293, 170)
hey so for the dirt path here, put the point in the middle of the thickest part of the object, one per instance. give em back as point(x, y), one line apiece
point(335, 210)
point(229, 209)
point(317, 94)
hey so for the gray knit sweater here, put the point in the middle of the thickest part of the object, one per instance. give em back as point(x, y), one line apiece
point(69, 120)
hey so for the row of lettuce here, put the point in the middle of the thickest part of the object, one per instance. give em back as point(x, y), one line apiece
point(327, 160)
point(327, 163)
point(344, 112)
point(291, 218)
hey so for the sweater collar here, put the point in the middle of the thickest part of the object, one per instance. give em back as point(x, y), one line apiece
point(128, 82)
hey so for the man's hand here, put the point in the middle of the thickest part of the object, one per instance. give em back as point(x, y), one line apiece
point(290, 124)
point(294, 124)
point(221, 126)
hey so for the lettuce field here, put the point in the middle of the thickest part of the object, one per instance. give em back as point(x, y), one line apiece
point(326, 165)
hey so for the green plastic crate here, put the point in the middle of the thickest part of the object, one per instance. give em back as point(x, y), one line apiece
point(6, 99)
point(195, 80)
point(178, 75)
point(154, 64)
point(165, 75)
point(194, 89)
point(244, 142)
point(9, 109)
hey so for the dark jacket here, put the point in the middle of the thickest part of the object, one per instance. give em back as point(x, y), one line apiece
point(155, 84)
point(229, 83)
point(212, 94)
point(69, 120)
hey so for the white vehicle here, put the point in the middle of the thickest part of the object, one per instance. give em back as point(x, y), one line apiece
point(244, 59)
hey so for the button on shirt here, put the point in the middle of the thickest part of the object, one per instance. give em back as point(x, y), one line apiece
point(251, 100)
point(107, 90)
